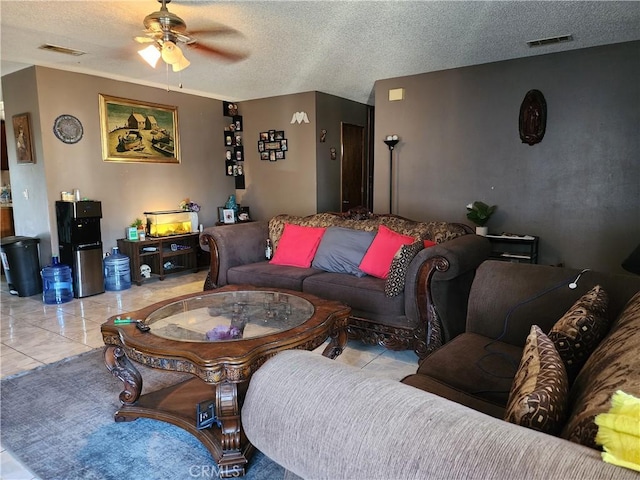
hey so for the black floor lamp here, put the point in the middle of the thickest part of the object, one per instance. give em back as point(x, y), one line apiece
point(391, 141)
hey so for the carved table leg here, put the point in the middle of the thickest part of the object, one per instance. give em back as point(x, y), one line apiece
point(233, 462)
point(338, 341)
point(120, 366)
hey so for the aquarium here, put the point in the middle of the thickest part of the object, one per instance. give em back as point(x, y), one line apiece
point(168, 222)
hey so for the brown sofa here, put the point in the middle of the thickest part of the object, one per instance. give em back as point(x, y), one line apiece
point(405, 321)
point(477, 370)
point(451, 425)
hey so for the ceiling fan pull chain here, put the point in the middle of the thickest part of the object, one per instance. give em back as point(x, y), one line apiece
point(166, 69)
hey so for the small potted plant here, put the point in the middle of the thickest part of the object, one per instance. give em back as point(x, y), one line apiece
point(480, 213)
point(139, 226)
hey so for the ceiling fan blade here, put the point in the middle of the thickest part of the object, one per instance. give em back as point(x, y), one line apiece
point(213, 30)
point(144, 39)
point(226, 54)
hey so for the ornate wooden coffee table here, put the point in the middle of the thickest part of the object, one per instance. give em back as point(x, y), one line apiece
point(221, 337)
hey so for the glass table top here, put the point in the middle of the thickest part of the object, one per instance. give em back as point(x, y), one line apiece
point(228, 316)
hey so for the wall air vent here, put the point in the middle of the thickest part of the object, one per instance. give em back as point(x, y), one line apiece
point(66, 51)
point(549, 41)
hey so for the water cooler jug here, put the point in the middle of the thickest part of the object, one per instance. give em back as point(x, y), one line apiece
point(57, 283)
point(117, 272)
point(80, 242)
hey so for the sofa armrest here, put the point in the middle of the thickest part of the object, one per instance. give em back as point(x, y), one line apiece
point(437, 286)
point(379, 428)
point(507, 298)
point(232, 245)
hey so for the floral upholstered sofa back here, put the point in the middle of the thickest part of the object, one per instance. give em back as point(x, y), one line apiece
point(438, 232)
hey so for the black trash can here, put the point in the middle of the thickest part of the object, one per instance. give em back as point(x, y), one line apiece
point(21, 264)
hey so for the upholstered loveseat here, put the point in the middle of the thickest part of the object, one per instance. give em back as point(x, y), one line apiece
point(446, 421)
point(406, 320)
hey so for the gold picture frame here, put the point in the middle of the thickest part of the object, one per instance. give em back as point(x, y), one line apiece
point(134, 131)
point(22, 134)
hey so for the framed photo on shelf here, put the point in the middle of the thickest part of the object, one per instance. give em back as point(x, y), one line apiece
point(132, 233)
point(228, 215)
point(229, 109)
point(244, 215)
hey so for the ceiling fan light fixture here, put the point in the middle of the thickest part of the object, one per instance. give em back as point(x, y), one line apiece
point(151, 55)
point(172, 55)
point(180, 64)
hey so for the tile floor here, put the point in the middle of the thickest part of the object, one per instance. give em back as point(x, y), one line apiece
point(33, 334)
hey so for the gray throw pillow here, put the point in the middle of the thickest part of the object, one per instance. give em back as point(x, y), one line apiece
point(341, 250)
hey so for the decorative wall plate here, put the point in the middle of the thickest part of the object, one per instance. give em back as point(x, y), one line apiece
point(67, 129)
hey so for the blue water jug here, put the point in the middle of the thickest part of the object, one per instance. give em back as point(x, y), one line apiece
point(57, 283)
point(117, 273)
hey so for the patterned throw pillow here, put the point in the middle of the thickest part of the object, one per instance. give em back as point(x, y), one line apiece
point(394, 284)
point(613, 366)
point(539, 393)
point(577, 334)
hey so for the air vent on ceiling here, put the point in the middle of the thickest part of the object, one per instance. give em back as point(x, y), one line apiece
point(549, 41)
point(66, 51)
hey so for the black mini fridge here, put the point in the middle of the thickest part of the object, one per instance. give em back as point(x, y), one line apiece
point(80, 242)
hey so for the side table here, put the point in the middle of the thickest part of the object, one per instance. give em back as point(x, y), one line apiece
point(514, 248)
point(165, 255)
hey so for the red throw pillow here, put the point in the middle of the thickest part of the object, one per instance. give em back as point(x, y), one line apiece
point(297, 245)
point(377, 261)
point(429, 243)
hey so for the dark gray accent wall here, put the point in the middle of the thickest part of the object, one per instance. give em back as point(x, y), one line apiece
point(578, 190)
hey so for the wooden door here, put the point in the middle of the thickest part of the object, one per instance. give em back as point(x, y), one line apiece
point(352, 167)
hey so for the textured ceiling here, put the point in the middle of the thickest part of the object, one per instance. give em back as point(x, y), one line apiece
point(337, 47)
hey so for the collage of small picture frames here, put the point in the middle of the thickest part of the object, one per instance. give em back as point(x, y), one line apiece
point(234, 156)
point(272, 145)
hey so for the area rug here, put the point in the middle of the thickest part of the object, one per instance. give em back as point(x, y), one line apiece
point(58, 421)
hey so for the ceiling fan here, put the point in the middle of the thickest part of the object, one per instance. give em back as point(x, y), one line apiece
point(165, 30)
